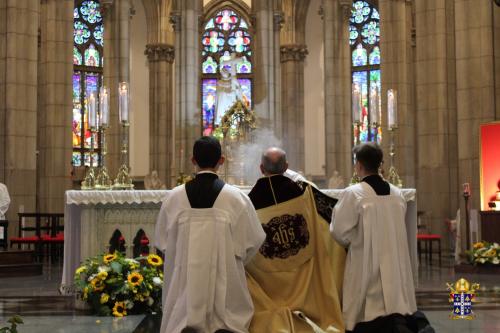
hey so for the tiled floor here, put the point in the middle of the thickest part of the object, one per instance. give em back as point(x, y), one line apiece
point(38, 301)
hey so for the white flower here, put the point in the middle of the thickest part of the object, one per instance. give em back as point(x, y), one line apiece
point(157, 281)
point(129, 304)
point(496, 246)
point(93, 276)
point(150, 301)
point(482, 260)
point(131, 261)
point(101, 269)
point(496, 261)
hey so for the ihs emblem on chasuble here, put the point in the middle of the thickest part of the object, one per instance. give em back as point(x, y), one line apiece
point(462, 295)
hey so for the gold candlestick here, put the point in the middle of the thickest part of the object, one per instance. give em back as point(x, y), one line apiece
point(103, 181)
point(88, 182)
point(393, 176)
point(356, 126)
point(123, 180)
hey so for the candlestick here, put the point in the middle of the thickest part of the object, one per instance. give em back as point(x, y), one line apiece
point(92, 111)
point(374, 105)
point(356, 128)
point(466, 195)
point(104, 107)
point(392, 108)
point(123, 102)
point(356, 103)
point(393, 177)
point(88, 182)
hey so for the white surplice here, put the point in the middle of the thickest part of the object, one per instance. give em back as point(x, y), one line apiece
point(378, 275)
point(4, 201)
point(205, 251)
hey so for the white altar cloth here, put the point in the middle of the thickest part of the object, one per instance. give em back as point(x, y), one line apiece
point(85, 209)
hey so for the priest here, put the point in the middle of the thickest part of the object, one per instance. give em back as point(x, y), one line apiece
point(207, 230)
point(296, 277)
point(369, 220)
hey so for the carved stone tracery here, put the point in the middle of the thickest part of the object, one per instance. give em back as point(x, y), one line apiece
point(293, 52)
point(160, 52)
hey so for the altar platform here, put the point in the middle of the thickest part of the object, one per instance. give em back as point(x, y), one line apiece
point(91, 218)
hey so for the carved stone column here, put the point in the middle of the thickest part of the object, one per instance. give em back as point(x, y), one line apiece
point(54, 101)
point(292, 98)
point(185, 20)
point(18, 102)
point(268, 20)
point(161, 111)
point(338, 132)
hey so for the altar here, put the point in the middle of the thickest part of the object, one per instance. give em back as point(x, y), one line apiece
point(92, 217)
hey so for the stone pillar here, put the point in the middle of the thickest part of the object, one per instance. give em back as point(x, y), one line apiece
point(266, 95)
point(496, 42)
point(292, 98)
point(397, 73)
point(338, 131)
point(54, 104)
point(18, 102)
point(475, 77)
point(185, 19)
point(116, 69)
point(161, 114)
point(436, 112)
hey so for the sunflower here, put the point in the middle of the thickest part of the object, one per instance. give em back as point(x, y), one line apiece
point(119, 309)
point(102, 275)
point(135, 278)
point(97, 284)
point(109, 258)
point(81, 269)
point(104, 298)
point(478, 245)
point(154, 260)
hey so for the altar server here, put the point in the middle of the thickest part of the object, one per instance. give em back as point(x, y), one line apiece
point(294, 279)
point(4, 201)
point(208, 230)
point(369, 220)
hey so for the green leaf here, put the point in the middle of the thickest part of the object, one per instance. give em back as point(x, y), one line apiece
point(116, 267)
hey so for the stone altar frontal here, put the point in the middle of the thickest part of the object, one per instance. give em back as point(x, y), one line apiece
point(91, 217)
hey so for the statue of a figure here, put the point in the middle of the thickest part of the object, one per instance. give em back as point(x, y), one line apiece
point(153, 182)
point(228, 88)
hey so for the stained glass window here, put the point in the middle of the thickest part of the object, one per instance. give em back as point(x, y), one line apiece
point(87, 76)
point(226, 36)
point(364, 38)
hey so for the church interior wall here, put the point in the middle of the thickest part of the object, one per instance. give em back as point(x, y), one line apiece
point(139, 85)
point(314, 93)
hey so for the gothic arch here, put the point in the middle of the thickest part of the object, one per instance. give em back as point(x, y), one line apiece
point(237, 5)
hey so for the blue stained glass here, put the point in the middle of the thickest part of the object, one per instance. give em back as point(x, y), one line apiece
point(359, 56)
point(90, 11)
point(353, 34)
point(239, 41)
point(371, 32)
point(360, 12)
point(98, 34)
point(246, 90)
point(75, 13)
point(76, 159)
point(361, 78)
point(244, 67)
point(81, 32)
point(209, 94)
point(209, 66)
point(375, 14)
point(375, 56)
point(243, 24)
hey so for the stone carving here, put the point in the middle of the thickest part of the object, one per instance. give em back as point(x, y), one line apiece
point(175, 20)
point(293, 52)
point(160, 52)
point(336, 181)
point(153, 182)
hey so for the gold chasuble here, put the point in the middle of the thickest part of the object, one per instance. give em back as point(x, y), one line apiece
point(295, 279)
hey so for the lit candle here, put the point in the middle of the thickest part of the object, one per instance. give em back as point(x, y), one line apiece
point(392, 108)
point(123, 100)
point(356, 103)
point(92, 114)
point(104, 107)
point(374, 105)
point(466, 187)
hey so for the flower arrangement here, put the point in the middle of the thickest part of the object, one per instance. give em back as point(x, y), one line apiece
point(14, 321)
point(115, 285)
point(484, 253)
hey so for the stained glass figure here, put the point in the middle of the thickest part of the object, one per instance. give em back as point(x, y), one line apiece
point(364, 39)
point(226, 34)
point(87, 76)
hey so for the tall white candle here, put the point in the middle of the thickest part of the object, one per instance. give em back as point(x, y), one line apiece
point(356, 102)
point(374, 105)
point(104, 107)
point(92, 114)
point(123, 100)
point(392, 108)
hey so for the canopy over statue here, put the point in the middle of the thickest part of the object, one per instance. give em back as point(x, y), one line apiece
point(228, 88)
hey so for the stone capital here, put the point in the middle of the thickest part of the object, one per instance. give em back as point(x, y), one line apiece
point(160, 52)
point(278, 19)
point(346, 5)
point(105, 7)
point(293, 52)
point(175, 20)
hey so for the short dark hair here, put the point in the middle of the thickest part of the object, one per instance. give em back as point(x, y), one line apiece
point(274, 166)
point(207, 152)
point(370, 155)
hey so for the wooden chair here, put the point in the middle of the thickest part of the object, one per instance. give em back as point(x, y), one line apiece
point(427, 240)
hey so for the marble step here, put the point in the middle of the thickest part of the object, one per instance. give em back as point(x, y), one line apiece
point(17, 270)
point(17, 257)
